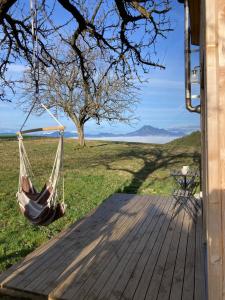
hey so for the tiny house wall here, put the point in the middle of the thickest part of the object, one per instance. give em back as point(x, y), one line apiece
point(212, 42)
point(208, 30)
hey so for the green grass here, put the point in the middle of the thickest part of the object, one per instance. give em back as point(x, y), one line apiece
point(192, 140)
point(91, 175)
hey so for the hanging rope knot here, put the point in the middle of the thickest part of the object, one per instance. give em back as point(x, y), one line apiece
point(19, 136)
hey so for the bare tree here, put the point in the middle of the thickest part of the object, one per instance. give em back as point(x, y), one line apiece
point(107, 98)
point(125, 31)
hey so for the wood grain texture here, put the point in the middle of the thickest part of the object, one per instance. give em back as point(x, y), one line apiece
point(195, 21)
point(212, 44)
point(130, 247)
point(50, 128)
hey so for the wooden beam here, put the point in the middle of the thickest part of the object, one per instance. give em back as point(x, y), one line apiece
point(221, 107)
point(51, 128)
point(194, 6)
point(213, 97)
point(195, 20)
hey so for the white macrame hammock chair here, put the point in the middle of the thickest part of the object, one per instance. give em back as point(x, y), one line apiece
point(41, 208)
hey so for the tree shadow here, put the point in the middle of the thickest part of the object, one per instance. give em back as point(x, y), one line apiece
point(16, 254)
point(159, 160)
point(99, 249)
point(96, 146)
point(92, 232)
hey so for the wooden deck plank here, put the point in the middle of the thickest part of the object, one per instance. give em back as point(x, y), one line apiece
point(200, 279)
point(137, 272)
point(77, 240)
point(189, 274)
point(17, 268)
point(110, 256)
point(128, 248)
point(113, 213)
point(166, 260)
point(120, 273)
point(165, 233)
point(115, 290)
point(78, 255)
point(178, 275)
point(104, 249)
point(167, 276)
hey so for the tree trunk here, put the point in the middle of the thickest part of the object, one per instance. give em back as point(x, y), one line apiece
point(80, 131)
point(79, 126)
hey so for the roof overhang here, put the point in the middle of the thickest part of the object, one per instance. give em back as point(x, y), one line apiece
point(194, 7)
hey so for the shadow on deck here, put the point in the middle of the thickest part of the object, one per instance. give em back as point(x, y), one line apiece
point(128, 248)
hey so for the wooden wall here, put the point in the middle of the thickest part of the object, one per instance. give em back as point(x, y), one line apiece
point(213, 124)
point(194, 6)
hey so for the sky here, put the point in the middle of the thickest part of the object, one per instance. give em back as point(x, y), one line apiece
point(162, 101)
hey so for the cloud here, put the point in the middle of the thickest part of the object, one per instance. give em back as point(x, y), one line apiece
point(164, 83)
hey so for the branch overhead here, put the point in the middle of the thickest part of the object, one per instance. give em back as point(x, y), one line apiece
point(123, 32)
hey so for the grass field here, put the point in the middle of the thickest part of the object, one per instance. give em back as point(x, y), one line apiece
point(91, 175)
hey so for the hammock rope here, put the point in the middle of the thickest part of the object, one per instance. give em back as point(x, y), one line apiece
point(44, 207)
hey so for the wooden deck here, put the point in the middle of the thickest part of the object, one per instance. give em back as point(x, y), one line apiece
point(128, 248)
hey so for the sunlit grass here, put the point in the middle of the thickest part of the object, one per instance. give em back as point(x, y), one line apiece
point(91, 175)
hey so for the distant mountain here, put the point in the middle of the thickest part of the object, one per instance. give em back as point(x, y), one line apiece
point(102, 134)
point(146, 130)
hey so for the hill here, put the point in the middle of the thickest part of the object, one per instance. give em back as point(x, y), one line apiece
point(191, 140)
